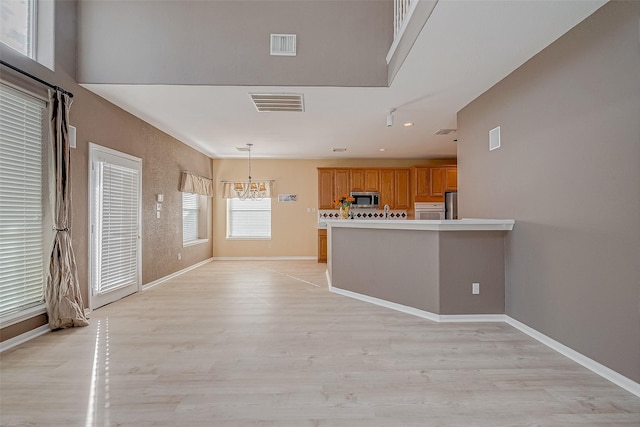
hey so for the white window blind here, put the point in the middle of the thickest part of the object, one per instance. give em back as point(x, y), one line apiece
point(21, 206)
point(117, 228)
point(190, 208)
point(249, 219)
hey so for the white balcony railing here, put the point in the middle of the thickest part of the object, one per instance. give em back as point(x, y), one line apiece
point(402, 10)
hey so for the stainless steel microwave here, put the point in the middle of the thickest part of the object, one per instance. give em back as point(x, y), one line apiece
point(366, 199)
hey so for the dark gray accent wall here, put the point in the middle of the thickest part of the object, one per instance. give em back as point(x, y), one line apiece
point(339, 43)
point(568, 172)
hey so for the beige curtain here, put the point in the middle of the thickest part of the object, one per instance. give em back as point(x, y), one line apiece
point(190, 183)
point(230, 189)
point(62, 290)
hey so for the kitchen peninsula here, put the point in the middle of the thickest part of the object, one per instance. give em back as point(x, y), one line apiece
point(428, 267)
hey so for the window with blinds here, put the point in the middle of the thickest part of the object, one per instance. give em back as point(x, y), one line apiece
point(249, 219)
point(190, 208)
point(21, 201)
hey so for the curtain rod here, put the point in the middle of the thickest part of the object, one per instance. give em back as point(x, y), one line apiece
point(195, 174)
point(39, 80)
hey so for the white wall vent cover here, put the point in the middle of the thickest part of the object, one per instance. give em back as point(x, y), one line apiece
point(283, 44)
point(274, 102)
point(444, 131)
point(494, 138)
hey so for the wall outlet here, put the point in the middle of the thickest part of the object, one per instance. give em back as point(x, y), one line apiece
point(475, 288)
point(179, 257)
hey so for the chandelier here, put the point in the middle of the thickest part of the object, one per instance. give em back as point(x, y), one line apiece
point(250, 190)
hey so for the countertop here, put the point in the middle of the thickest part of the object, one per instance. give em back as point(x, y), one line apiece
point(465, 224)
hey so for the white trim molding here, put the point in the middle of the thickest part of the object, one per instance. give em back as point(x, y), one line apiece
point(265, 258)
point(23, 315)
point(598, 368)
point(22, 338)
point(176, 274)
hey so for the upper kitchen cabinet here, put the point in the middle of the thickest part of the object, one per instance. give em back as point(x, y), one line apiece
point(325, 188)
point(430, 183)
point(365, 180)
point(421, 182)
point(332, 184)
point(395, 188)
point(436, 182)
point(402, 199)
point(451, 178)
point(387, 187)
point(342, 183)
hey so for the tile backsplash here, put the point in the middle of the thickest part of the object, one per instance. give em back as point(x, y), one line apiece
point(324, 214)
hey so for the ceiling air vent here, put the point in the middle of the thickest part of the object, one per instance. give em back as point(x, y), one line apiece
point(444, 131)
point(273, 102)
point(283, 44)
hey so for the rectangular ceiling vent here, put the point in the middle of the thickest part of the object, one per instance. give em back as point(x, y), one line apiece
point(444, 131)
point(274, 102)
point(283, 44)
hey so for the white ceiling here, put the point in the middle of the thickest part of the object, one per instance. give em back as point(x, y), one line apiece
point(465, 48)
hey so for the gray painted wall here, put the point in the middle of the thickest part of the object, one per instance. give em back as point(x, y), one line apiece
point(400, 266)
point(428, 270)
point(472, 257)
point(340, 43)
point(568, 172)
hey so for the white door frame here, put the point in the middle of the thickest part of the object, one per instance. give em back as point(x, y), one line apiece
point(97, 152)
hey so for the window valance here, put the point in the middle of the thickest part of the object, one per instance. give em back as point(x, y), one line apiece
point(192, 183)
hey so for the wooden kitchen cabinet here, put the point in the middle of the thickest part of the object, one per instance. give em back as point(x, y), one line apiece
point(387, 187)
point(332, 184)
point(421, 182)
point(322, 246)
point(365, 180)
point(326, 191)
point(431, 182)
point(342, 182)
point(436, 182)
point(402, 189)
point(451, 178)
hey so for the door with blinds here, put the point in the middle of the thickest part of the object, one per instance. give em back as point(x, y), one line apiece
point(115, 197)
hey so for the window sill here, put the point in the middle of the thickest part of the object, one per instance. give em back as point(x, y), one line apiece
point(19, 316)
point(194, 242)
point(248, 238)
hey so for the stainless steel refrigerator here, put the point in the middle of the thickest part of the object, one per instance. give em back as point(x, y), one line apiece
point(451, 205)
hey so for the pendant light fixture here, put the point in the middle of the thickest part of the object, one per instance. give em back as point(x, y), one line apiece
point(250, 190)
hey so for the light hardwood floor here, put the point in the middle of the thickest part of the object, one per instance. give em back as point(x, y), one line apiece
point(236, 343)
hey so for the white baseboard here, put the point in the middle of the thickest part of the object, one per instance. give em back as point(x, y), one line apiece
point(607, 373)
point(598, 368)
point(388, 304)
point(265, 258)
point(12, 342)
point(176, 274)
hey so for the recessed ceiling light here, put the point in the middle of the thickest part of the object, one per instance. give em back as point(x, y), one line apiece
point(339, 150)
point(382, 150)
point(408, 124)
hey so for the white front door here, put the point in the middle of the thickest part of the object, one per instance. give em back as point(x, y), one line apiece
point(115, 181)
